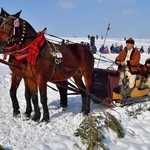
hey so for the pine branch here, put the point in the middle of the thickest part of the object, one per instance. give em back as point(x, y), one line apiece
point(89, 133)
point(1, 148)
point(115, 125)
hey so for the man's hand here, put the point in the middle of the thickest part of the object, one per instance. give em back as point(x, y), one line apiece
point(122, 63)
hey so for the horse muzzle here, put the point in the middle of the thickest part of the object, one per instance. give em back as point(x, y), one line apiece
point(1, 50)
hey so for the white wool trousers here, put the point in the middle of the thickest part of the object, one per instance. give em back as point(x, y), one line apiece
point(148, 82)
point(131, 78)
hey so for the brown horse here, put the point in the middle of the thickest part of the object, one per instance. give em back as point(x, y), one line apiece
point(17, 75)
point(39, 65)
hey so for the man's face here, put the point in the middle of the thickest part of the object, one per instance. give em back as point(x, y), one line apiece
point(148, 64)
point(129, 46)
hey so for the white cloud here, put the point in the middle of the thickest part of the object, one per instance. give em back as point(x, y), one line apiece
point(66, 4)
point(129, 12)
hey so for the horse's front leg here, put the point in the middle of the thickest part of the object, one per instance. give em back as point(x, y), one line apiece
point(63, 96)
point(34, 95)
point(28, 100)
point(43, 99)
point(15, 81)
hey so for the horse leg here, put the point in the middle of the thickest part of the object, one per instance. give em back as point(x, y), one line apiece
point(28, 100)
point(32, 91)
point(43, 99)
point(37, 114)
point(63, 95)
point(87, 73)
point(15, 81)
point(85, 102)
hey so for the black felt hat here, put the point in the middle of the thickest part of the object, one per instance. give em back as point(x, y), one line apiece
point(130, 40)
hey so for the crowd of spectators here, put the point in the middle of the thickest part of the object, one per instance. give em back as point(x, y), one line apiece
point(115, 49)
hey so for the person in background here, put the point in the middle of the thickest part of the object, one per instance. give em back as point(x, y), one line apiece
point(128, 62)
point(147, 83)
point(148, 50)
point(111, 48)
point(101, 50)
point(106, 51)
point(88, 45)
point(116, 49)
point(144, 72)
point(142, 49)
point(121, 47)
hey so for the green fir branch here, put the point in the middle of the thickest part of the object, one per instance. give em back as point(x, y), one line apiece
point(115, 125)
point(1, 148)
point(89, 133)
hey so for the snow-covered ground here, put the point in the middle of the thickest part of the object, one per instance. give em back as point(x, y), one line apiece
point(58, 134)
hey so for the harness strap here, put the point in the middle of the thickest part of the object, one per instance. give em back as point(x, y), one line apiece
point(30, 52)
point(10, 64)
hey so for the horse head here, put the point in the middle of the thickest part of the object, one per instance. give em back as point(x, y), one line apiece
point(14, 30)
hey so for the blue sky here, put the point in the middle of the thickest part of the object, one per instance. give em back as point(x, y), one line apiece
point(65, 18)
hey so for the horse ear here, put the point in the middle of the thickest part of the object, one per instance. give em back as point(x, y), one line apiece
point(4, 13)
point(17, 15)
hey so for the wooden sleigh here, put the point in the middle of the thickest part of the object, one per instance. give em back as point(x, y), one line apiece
point(103, 83)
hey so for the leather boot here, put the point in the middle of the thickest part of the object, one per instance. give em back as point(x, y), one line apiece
point(117, 89)
point(142, 84)
point(127, 92)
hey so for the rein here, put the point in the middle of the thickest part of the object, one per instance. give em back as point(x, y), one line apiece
point(10, 64)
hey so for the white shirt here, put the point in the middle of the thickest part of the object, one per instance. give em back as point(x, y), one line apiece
point(128, 57)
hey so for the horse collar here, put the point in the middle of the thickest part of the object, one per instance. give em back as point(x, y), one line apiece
point(16, 30)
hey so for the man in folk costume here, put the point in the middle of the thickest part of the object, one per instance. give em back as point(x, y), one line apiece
point(144, 72)
point(128, 62)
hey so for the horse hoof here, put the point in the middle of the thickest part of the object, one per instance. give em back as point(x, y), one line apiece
point(45, 120)
point(27, 115)
point(64, 108)
point(16, 114)
point(36, 119)
point(85, 113)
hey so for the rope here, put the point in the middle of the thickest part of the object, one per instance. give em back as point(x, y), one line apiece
point(58, 37)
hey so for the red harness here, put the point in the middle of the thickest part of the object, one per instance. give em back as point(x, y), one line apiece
point(29, 52)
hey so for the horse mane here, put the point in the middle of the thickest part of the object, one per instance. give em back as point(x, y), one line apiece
point(29, 30)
